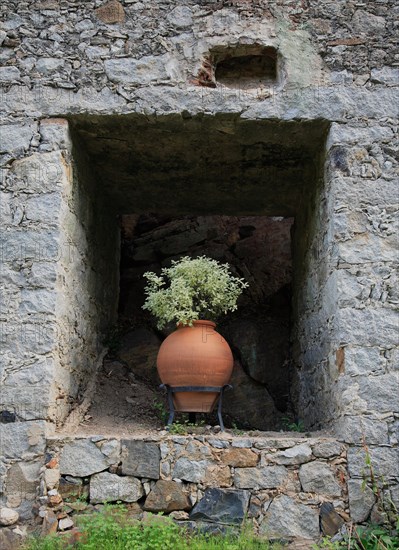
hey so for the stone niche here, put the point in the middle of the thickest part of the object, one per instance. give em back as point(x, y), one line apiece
point(257, 248)
point(241, 191)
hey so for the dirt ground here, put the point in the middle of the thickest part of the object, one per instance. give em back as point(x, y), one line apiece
point(123, 405)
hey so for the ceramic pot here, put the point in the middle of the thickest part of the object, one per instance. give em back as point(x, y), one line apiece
point(195, 356)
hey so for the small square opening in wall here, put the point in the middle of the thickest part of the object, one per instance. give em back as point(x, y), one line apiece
point(245, 66)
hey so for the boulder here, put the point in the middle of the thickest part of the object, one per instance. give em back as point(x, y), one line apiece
point(249, 402)
point(139, 349)
point(263, 349)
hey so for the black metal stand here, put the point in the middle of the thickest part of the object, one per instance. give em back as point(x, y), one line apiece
point(213, 389)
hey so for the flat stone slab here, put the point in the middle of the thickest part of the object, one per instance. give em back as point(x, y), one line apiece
point(227, 506)
point(140, 458)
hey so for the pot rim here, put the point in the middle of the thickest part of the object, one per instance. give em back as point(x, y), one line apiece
point(197, 322)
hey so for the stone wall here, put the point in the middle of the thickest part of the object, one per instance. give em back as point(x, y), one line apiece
point(54, 310)
point(281, 485)
point(338, 65)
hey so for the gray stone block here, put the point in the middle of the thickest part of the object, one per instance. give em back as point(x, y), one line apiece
point(327, 449)
point(135, 71)
point(81, 458)
point(140, 458)
point(384, 460)
point(355, 428)
point(361, 500)
point(267, 477)
point(190, 470)
point(317, 477)
point(106, 487)
point(20, 438)
point(287, 518)
point(295, 455)
point(9, 74)
point(15, 136)
point(226, 506)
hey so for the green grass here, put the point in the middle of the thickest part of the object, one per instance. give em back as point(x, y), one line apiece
point(112, 529)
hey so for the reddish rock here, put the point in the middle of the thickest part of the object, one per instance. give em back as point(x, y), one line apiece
point(240, 458)
point(217, 476)
point(53, 463)
point(54, 500)
point(167, 496)
point(111, 12)
point(50, 523)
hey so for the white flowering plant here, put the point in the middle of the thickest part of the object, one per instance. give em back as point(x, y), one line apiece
point(192, 289)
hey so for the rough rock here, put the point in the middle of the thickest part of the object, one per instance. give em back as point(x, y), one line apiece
point(8, 516)
point(268, 477)
point(167, 496)
point(366, 22)
point(240, 458)
point(384, 460)
point(317, 477)
point(226, 506)
point(287, 518)
point(361, 500)
point(106, 487)
point(263, 353)
point(140, 458)
point(9, 540)
point(15, 136)
point(217, 475)
point(22, 478)
point(295, 455)
point(135, 71)
point(139, 349)
point(9, 74)
point(47, 65)
point(111, 12)
point(20, 438)
point(330, 521)
point(327, 449)
point(264, 415)
point(65, 523)
point(81, 458)
point(190, 470)
point(51, 477)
